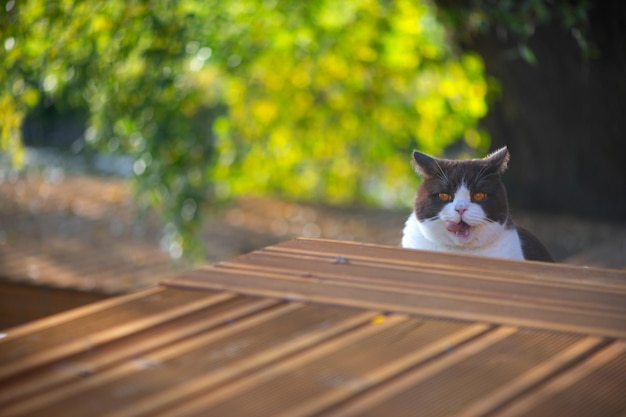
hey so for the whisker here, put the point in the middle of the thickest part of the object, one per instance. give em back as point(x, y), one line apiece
point(507, 219)
point(490, 175)
point(482, 172)
point(442, 174)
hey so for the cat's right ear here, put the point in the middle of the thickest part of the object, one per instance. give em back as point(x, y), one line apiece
point(424, 165)
point(498, 160)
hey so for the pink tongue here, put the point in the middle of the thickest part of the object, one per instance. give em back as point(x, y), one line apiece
point(460, 229)
point(453, 227)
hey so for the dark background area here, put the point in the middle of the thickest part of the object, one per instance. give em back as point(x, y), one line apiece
point(563, 119)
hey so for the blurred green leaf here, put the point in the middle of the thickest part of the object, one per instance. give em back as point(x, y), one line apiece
point(527, 54)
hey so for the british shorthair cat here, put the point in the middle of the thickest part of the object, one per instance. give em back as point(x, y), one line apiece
point(462, 207)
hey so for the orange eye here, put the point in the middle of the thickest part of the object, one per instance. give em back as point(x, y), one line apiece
point(445, 197)
point(478, 196)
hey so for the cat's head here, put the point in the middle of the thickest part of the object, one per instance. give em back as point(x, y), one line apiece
point(462, 203)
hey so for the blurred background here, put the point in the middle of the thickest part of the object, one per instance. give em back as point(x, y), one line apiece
point(140, 138)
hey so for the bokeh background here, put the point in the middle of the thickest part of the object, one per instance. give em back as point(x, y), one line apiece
point(138, 138)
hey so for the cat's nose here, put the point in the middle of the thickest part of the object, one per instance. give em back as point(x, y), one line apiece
point(460, 210)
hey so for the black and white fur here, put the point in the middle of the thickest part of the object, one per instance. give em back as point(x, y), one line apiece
point(475, 220)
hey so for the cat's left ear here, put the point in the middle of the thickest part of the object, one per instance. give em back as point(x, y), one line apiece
point(498, 160)
point(425, 165)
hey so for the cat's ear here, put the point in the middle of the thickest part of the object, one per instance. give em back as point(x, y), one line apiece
point(424, 165)
point(499, 160)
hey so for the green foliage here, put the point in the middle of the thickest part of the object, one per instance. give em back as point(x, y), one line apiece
point(337, 94)
point(309, 100)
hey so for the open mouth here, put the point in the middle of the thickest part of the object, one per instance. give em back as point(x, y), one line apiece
point(460, 229)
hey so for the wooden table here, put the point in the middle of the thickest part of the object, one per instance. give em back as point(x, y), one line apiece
point(324, 328)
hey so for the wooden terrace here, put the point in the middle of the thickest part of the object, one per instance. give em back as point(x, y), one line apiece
point(326, 328)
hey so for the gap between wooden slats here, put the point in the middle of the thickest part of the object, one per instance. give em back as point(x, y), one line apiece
point(278, 391)
point(401, 276)
point(536, 270)
point(85, 397)
point(99, 337)
point(473, 380)
point(75, 368)
point(429, 303)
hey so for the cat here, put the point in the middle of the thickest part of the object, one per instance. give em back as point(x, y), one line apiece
point(462, 207)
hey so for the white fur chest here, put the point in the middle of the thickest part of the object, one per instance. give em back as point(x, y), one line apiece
point(497, 241)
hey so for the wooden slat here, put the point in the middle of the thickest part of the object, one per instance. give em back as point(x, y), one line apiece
point(304, 339)
point(73, 369)
point(597, 387)
point(429, 302)
point(86, 332)
point(170, 374)
point(340, 368)
point(376, 396)
point(476, 378)
point(488, 283)
point(507, 393)
point(458, 263)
